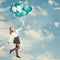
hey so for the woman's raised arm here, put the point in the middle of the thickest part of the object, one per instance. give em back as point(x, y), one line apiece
point(20, 27)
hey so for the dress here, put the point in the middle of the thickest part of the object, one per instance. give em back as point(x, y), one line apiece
point(14, 37)
point(16, 40)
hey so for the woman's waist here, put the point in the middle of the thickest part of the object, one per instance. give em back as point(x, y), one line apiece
point(16, 37)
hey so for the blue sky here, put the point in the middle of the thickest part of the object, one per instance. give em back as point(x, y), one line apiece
point(40, 36)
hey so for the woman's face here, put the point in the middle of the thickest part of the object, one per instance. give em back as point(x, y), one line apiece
point(12, 29)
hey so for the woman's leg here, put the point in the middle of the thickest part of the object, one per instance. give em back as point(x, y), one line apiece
point(12, 49)
point(17, 46)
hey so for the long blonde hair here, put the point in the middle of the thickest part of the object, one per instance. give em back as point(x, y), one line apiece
point(10, 31)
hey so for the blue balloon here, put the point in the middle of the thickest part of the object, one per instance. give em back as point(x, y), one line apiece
point(25, 9)
point(18, 14)
point(17, 4)
point(24, 12)
point(22, 5)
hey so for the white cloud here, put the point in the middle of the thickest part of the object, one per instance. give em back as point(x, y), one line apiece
point(3, 25)
point(28, 27)
point(2, 17)
point(43, 46)
point(39, 8)
point(39, 35)
point(4, 32)
point(56, 24)
point(35, 21)
point(3, 53)
point(53, 2)
point(25, 45)
point(49, 35)
point(26, 2)
point(57, 8)
point(42, 11)
point(1, 1)
point(45, 56)
point(33, 12)
point(24, 57)
point(15, 58)
point(56, 4)
point(50, 2)
point(33, 34)
point(4, 9)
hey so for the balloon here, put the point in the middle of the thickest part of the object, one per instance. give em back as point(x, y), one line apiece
point(24, 13)
point(20, 9)
point(22, 5)
point(14, 9)
point(17, 4)
point(18, 14)
point(26, 7)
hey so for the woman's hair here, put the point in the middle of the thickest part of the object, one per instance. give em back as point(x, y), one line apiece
point(10, 31)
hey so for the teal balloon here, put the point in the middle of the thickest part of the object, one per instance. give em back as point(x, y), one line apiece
point(30, 8)
point(22, 5)
point(24, 13)
point(25, 9)
point(17, 4)
point(11, 9)
point(18, 14)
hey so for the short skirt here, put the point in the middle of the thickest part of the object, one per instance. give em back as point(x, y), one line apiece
point(16, 40)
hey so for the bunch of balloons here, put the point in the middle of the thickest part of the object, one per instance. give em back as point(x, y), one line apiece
point(20, 9)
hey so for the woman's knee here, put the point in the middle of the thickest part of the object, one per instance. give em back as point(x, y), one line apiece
point(17, 46)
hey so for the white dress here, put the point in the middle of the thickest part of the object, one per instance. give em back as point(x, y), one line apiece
point(14, 34)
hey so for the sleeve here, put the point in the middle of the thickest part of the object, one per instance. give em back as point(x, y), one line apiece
point(17, 30)
point(11, 38)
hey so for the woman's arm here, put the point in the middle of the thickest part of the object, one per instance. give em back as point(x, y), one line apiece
point(11, 38)
point(20, 27)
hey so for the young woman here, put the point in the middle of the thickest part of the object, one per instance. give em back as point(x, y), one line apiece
point(14, 35)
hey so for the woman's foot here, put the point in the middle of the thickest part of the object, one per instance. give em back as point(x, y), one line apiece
point(10, 51)
point(18, 56)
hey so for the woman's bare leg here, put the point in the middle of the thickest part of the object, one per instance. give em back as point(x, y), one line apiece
point(12, 49)
point(15, 49)
point(17, 46)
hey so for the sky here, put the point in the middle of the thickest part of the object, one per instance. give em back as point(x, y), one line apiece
point(40, 36)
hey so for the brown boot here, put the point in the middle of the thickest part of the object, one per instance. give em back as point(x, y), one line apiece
point(18, 56)
point(10, 51)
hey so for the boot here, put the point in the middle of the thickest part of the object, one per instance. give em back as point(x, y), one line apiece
point(18, 56)
point(10, 51)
